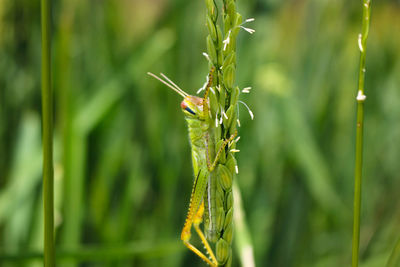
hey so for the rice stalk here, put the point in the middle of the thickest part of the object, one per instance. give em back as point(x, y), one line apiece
point(362, 44)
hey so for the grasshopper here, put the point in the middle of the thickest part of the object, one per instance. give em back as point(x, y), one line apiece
point(200, 125)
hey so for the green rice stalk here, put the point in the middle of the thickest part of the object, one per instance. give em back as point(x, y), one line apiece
point(362, 43)
point(221, 48)
point(47, 127)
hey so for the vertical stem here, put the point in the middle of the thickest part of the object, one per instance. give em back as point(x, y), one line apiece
point(362, 39)
point(243, 240)
point(47, 128)
point(224, 24)
point(357, 184)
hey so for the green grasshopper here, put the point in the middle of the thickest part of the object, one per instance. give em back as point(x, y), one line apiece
point(200, 125)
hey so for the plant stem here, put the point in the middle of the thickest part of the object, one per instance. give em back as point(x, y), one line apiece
point(243, 240)
point(47, 128)
point(359, 132)
point(224, 24)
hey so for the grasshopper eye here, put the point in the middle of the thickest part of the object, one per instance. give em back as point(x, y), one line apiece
point(185, 107)
point(190, 111)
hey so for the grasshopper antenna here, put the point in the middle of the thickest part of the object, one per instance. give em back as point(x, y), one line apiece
point(176, 86)
point(169, 83)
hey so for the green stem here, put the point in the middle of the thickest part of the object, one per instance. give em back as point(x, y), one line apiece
point(47, 127)
point(243, 241)
point(359, 132)
point(221, 48)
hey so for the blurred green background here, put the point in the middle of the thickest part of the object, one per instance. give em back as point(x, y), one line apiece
point(122, 159)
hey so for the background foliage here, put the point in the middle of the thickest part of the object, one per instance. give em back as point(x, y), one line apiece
point(122, 162)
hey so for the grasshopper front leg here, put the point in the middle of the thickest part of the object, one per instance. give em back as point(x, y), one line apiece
point(194, 217)
point(211, 166)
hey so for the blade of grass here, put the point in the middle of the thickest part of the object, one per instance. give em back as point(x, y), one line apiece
point(23, 177)
point(47, 126)
point(362, 43)
point(243, 241)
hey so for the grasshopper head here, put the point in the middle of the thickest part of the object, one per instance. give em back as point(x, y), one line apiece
point(192, 106)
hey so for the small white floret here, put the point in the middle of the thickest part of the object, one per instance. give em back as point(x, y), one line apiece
point(248, 109)
point(360, 96)
point(236, 169)
point(224, 114)
point(246, 90)
point(249, 30)
point(360, 46)
point(227, 40)
point(207, 56)
point(251, 114)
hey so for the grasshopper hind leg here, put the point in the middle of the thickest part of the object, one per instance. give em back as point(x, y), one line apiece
point(185, 236)
point(195, 217)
